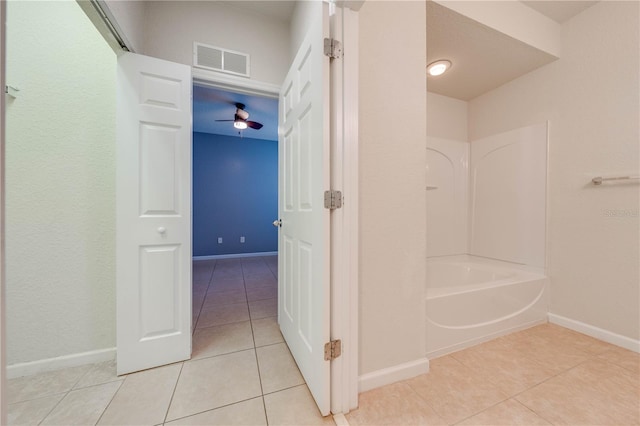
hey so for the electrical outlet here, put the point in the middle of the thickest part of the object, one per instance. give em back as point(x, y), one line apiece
point(219, 240)
point(242, 239)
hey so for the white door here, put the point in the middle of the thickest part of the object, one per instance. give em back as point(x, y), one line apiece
point(303, 149)
point(153, 212)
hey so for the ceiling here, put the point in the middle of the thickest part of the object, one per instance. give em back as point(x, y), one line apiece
point(483, 58)
point(211, 104)
point(559, 11)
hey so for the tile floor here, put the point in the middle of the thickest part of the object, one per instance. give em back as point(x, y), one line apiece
point(540, 376)
point(241, 371)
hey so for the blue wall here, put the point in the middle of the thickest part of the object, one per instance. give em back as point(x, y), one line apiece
point(235, 193)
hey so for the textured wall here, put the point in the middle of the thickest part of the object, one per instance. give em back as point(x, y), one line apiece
point(591, 98)
point(171, 27)
point(446, 117)
point(235, 193)
point(392, 183)
point(60, 175)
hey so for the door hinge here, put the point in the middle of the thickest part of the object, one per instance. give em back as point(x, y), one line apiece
point(332, 48)
point(332, 350)
point(332, 199)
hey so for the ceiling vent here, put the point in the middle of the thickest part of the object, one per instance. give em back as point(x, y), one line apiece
point(218, 59)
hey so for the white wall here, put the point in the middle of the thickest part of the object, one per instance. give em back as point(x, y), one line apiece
point(3, 322)
point(130, 17)
point(590, 97)
point(171, 28)
point(60, 175)
point(300, 22)
point(392, 181)
point(446, 117)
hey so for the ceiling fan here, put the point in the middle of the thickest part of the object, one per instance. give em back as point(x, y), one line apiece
point(240, 119)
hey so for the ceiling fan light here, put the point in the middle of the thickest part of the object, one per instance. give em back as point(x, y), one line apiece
point(240, 124)
point(438, 67)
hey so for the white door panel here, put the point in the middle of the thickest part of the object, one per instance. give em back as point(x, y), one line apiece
point(153, 205)
point(304, 236)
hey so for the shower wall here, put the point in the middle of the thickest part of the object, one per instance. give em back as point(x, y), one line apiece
point(508, 196)
point(486, 197)
point(447, 176)
point(447, 196)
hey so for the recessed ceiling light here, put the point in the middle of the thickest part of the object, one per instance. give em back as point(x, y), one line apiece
point(438, 67)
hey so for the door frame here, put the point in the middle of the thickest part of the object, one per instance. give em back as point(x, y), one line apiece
point(344, 280)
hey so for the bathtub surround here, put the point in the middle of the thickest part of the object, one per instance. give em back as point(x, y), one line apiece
point(507, 209)
point(447, 197)
point(486, 215)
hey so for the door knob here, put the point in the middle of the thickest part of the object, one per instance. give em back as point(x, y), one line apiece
point(277, 223)
point(162, 230)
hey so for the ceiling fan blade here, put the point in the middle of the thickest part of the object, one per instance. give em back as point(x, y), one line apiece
point(254, 125)
point(225, 120)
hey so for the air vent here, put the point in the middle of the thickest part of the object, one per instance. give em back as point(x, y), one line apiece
point(218, 59)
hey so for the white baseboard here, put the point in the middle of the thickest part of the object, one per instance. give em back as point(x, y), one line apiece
point(233, 256)
point(386, 376)
point(598, 333)
point(51, 364)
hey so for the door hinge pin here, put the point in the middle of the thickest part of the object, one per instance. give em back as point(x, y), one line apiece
point(332, 199)
point(332, 350)
point(332, 48)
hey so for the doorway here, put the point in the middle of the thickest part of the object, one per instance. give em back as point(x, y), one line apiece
point(235, 200)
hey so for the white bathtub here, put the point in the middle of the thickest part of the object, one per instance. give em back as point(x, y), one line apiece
point(472, 299)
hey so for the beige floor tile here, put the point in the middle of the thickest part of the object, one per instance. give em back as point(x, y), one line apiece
point(260, 281)
point(624, 358)
point(263, 308)
point(506, 413)
point(544, 344)
point(278, 370)
point(44, 384)
point(221, 315)
point(197, 298)
point(201, 271)
point(294, 406)
point(596, 392)
point(226, 285)
point(211, 383)
point(265, 273)
point(266, 331)
point(556, 334)
point(510, 370)
point(82, 406)
point(143, 398)
point(103, 372)
point(262, 293)
point(226, 274)
point(224, 298)
point(32, 412)
point(249, 413)
point(395, 404)
point(222, 339)
point(200, 286)
point(454, 391)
